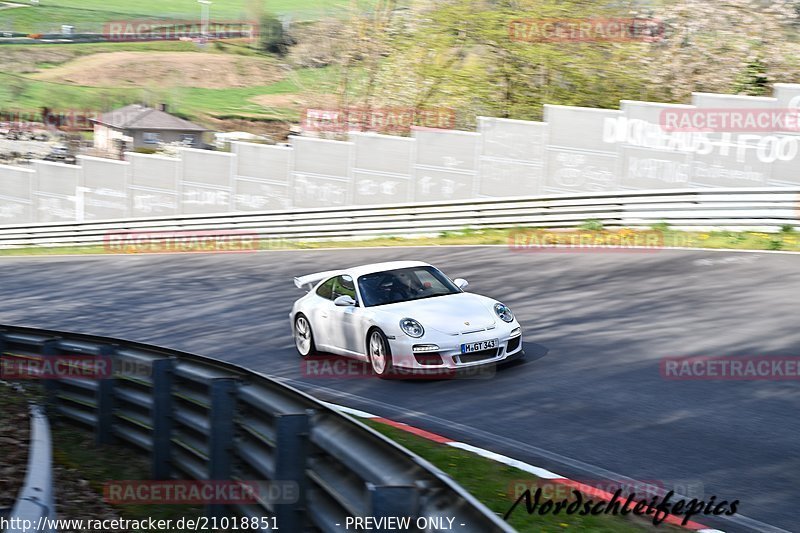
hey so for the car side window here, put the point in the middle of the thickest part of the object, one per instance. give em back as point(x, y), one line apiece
point(326, 289)
point(344, 286)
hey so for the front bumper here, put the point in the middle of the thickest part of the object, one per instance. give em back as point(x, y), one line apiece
point(406, 353)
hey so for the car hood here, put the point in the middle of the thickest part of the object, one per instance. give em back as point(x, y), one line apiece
point(447, 314)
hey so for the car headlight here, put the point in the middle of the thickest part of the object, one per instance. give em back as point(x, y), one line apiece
point(412, 328)
point(503, 312)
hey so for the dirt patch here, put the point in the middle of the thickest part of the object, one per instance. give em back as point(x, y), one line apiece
point(14, 438)
point(28, 60)
point(165, 69)
point(296, 101)
point(276, 130)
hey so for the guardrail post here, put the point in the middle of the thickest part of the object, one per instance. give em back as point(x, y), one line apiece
point(104, 433)
point(223, 410)
point(163, 375)
point(2, 353)
point(291, 455)
point(388, 501)
point(50, 351)
point(393, 500)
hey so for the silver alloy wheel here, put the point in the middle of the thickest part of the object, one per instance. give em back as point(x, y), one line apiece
point(377, 352)
point(302, 335)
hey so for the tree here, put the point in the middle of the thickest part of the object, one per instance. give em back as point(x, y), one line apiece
point(737, 46)
point(272, 37)
point(466, 54)
point(470, 56)
point(754, 80)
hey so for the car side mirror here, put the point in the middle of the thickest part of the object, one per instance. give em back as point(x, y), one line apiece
point(460, 283)
point(344, 301)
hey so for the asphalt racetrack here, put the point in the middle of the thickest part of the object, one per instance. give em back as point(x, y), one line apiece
point(591, 404)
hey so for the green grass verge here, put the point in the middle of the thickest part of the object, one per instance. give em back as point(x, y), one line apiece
point(74, 450)
point(98, 465)
point(492, 484)
point(26, 93)
point(236, 102)
point(90, 15)
point(789, 241)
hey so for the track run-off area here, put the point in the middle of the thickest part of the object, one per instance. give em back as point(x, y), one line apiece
point(590, 402)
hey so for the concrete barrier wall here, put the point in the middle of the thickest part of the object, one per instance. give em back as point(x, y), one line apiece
point(16, 195)
point(575, 150)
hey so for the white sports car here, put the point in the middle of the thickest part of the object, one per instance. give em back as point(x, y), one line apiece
point(404, 316)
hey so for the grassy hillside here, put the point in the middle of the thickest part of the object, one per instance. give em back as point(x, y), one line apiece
point(227, 80)
point(90, 15)
point(26, 93)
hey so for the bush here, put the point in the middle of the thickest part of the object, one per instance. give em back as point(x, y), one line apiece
point(775, 244)
point(661, 226)
point(272, 37)
point(591, 224)
point(787, 228)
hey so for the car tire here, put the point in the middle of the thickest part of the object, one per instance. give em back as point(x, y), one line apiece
point(303, 336)
point(379, 353)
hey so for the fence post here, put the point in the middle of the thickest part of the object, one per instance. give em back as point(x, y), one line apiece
point(388, 501)
point(162, 371)
point(50, 351)
point(2, 354)
point(104, 433)
point(291, 455)
point(223, 410)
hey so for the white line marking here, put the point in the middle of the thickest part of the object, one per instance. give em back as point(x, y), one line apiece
point(738, 519)
point(525, 467)
point(350, 410)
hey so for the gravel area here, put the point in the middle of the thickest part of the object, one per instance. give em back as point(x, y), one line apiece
point(75, 497)
point(14, 435)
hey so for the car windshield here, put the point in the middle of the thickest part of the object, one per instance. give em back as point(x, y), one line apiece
point(403, 285)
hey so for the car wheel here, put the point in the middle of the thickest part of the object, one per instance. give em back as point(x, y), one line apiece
point(380, 356)
point(303, 336)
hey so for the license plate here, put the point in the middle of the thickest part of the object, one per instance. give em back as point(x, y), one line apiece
point(478, 346)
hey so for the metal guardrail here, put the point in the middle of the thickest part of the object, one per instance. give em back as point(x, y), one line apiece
point(700, 209)
point(203, 419)
point(36, 502)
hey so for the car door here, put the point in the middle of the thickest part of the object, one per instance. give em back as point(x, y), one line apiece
point(320, 314)
point(344, 331)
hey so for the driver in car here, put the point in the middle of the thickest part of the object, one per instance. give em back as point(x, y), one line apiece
point(406, 286)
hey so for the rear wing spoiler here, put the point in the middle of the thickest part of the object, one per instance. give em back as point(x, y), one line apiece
point(312, 279)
